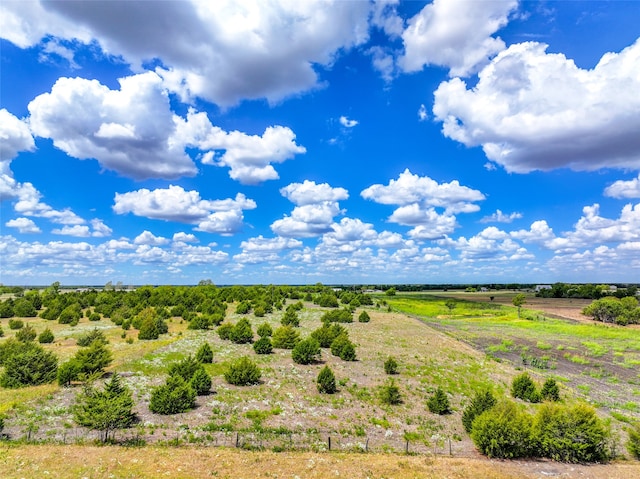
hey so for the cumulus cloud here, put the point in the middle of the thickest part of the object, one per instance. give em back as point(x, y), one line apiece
point(455, 34)
point(500, 217)
point(148, 238)
point(264, 250)
point(624, 189)
point(223, 51)
point(490, 244)
point(347, 123)
point(249, 157)
point(14, 137)
point(531, 110)
point(176, 204)
point(309, 193)
point(24, 225)
point(182, 237)
point(130, 130)
point(81, 231)
point(29, 204)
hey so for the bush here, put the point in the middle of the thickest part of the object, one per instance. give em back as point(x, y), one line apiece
point(16, 324)
point(306, 351)
point(364, 317)
point(28, 364)
point(390, 393)
point(326, 334)
point(343, 348)
point(263, 345)
point(204, 354)
point(570, 433)
point(326, 381)
point(439, 403)
point(70, 315)
point(68, 372)
point(633, 443)
point(46, 337)
point(503, 431)
point(481, 402)
point(243, 372)
point(185, 368)
point(93, 359)
point(202, 321)
point(264, 330)
point(1, 332)
point(550, 390)
point(243, 308)
point(201, 382)
point(285, 337)
point(6, 309)
point(224, 331)
point(94, 317)
point(26, 334)
point(23, 308)
point(524, 388)
point(89, 337)
point(391, 366)
point(290, 318)
point(173, 397)
point(337, 316)
point(242, 332)
point(148, 329)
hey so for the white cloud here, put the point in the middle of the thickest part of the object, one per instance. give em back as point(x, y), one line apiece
point(455, 34)
point(536, 111)
point(100, 230)
point(489, 244)
point(422, 113)
point(249, 157)
point(29, 204)
point(81, 231)
point(347, 123)
point(223, 51)
point(182, 237)
point(410, 188)
point(131, 131)
point(176, 204)
point(309, 193)
point(624, 189)
point(14, 137)
point(264, 250)
point(148, 238)
point(500, 217)
point(24, 225)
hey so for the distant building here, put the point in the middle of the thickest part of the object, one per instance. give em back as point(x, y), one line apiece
point(540, 287)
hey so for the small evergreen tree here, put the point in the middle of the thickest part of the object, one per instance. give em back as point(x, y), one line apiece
point(306, 351)
point(439, 403)
point(633, 443)
point(204, 354)
point(265, 330)
point(45, 336)
point(263, 345)
point(503, 431)
point(93, 359)
point(550, 390)
point(364, 317)
point(68, 372)
point(290, 318)
point(148, 329)
point(391, 366)
point(481, 402)
point(343, 348)
point(94, 335)
point(326, 381)
point(285, 337)
point(243, 372)
point(390, 393)
point(242, 332)
point(28, 364)
point(524, 388)
point(106, 410)
point(173, 397)
point(26, 334)
point(201, 382)
point(185, 368)
point(15, 324)
point(224, 331)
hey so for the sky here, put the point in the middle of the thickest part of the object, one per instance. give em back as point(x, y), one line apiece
point(288, 142)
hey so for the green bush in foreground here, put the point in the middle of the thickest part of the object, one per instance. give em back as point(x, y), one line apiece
point(204, 354)
point(306, 351)
point(173, 397)
point(550, 390)
point(263, 345)
point(45, 337)
point(243, 372)
point(633, 443)
point(524, 388)
point(364, 317)
point(503, 432)
point(285, 337)
point(326, 381)
point(28, 364)
point(481, 402)
point(439, 403)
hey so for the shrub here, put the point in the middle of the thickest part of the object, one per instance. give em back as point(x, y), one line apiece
point(6, 309)
point(243, 308)
point(16, 324)
point(306, 351)
point(93, 359)
point(243, 372)
point(390, 393)
point(263, 345)
point(242, 332)
point(23, 308)
point(148, 329)
point(204, 354)
point(503, 431)
point(290, 318)
point(201, 382)
point(89, 337)
point(202, 321)
point(185, 368)
point(264, 330)
point(26, 334)
point(633, 443)
point(337, 316)
point(94, 317)
point(173, 397)
point(481, 402)
point(326, 334)
point(550, 390)
point(224, 330)
point(326, 381)
point(28, 364)
point(391, 366)
point(343, 348)
point(439, 403)
point(45, 337)
point(70, 315)
point(1, 332)
point(285, 337)
point(524, 388)
point(570, 433)
point(68, 372)
point(259, 311)
point(364, 317)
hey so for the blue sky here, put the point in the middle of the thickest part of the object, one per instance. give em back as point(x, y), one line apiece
point(249, 142)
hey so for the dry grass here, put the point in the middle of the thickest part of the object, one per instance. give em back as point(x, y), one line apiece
point(191, 462)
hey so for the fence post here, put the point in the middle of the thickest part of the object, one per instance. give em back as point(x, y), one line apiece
point(329, 442)
point(450, 451)
point(237, 439)
point(366, 446)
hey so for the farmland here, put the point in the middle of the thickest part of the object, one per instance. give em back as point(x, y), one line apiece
point(478, 344)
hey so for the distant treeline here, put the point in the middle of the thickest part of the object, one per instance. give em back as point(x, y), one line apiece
point(588, 291)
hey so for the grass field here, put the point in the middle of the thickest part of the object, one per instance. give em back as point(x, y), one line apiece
point(478, 344)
